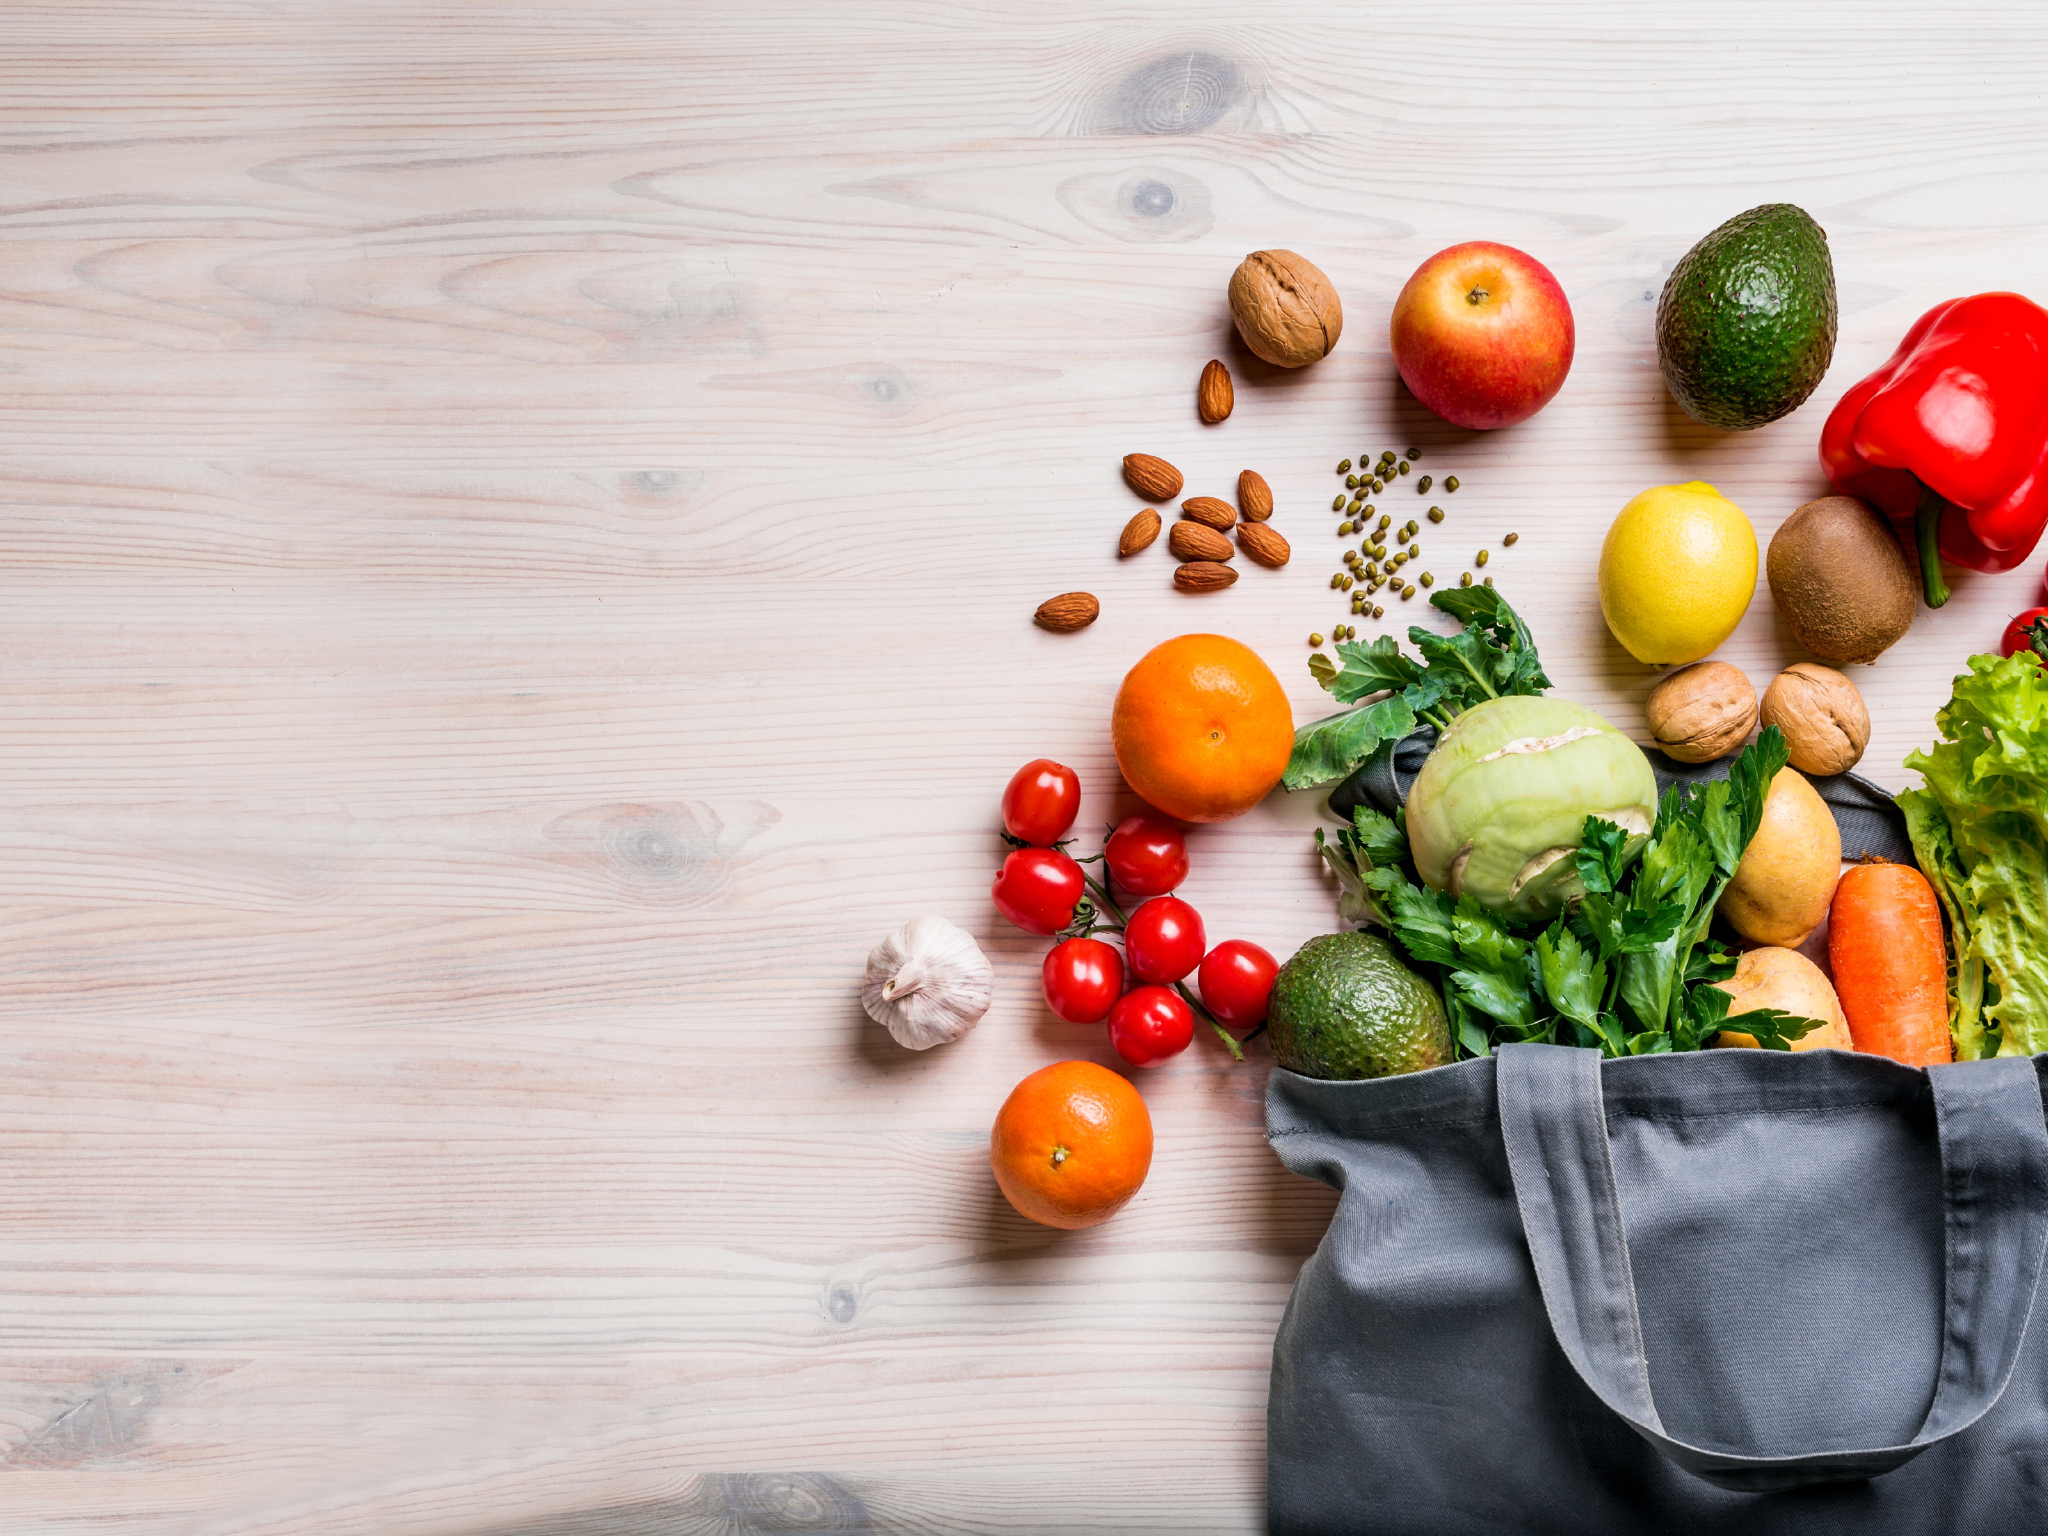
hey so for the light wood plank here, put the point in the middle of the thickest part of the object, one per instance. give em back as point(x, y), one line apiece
point(519, 528)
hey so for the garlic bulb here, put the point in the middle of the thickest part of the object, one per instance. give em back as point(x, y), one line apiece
point(928, 982)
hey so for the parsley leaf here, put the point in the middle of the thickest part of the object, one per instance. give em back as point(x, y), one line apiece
point(1505, 998)
point(1714, 962)
point(1356, 904)
point(1422, 920)
point(1773, 1028)
point(1371, 842)
point(1384, 838)
point(1603, 856)
point(1750, 780)
point(1622, 930)
point(1572, 979)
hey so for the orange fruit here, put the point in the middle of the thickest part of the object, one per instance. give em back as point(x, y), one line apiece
point(1071, 1144)
point(1201, 728)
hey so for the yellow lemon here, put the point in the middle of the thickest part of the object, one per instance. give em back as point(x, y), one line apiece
point(1676, 573)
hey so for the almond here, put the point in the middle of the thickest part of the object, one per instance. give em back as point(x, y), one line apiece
point(1153, 479)
point(1191, 541)
point(1139, 533)
point(1067, 612)
point(1203, 576)
point(1214, 396)
point(1264, 543)
point(1254, 496)
point(1219, 515)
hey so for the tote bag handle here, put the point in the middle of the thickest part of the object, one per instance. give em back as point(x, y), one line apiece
point(1994, 1166)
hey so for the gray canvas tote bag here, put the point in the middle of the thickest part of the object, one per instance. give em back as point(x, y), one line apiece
point(1726, 1292)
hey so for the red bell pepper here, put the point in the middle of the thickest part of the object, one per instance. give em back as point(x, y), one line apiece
point(1950, 437)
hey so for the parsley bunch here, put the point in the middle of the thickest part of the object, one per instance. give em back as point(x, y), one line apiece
point(1628, 967)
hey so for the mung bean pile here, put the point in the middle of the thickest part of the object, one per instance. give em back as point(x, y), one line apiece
point(1385, 554)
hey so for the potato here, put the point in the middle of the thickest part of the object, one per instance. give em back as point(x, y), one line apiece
point(1784, 978)
point(1787, 876)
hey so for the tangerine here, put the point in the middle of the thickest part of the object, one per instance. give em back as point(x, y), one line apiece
point(1202, 728)
point(1071, 1144)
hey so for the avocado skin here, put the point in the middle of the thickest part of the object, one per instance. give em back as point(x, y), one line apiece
point(1346, 1007)
point(1746, 322)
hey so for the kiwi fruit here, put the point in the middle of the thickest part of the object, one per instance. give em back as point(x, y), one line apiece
point(1840, 580)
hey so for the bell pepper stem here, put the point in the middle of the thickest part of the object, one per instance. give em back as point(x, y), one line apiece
point(1927, 535)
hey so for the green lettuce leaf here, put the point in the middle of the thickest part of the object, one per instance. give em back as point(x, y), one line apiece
point(1987, 789)
point(1935, 849)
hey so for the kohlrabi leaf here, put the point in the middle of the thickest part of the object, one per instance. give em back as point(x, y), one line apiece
point(1493, 656)
point(1334, 747)
point(1374, 666)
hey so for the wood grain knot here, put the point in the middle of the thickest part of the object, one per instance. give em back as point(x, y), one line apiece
point(1187, 91)
point(783, 1501)
point(681, 854)
point(841, 1303)
point(1142, 205)
point(1148, 198)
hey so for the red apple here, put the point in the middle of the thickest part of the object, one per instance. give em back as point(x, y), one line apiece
point(1482, 334)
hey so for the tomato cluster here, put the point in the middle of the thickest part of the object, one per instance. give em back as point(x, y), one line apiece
point(1041, 887)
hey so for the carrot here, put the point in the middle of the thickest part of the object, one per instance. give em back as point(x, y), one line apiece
point(1890, 964)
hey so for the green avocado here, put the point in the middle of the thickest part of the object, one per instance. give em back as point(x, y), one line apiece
point(1345, 1007)
point(1746, 323)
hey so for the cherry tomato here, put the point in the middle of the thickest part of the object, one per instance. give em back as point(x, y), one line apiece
point(1146, 855)
point(2016, 637)
point(1149, 1024)
point(1082, 980)
point(1036, 889)
point(1041, 802)
point(1237, 978)
point(1163, 941)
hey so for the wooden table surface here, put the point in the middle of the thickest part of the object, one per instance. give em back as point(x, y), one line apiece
point(518, 531)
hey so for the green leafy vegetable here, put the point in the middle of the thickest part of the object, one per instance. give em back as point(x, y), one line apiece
point(1333, 748)
point(1371, 840)
point(1980, 833)
point(1493, 657)
point(1371, 668)
point(1628, 969)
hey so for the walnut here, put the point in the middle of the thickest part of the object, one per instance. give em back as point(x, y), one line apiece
point(1822, 716)
point(1701, 712)
point(1285, 309)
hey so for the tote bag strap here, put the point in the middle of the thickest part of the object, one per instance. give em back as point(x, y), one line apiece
point(1994, 1163)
